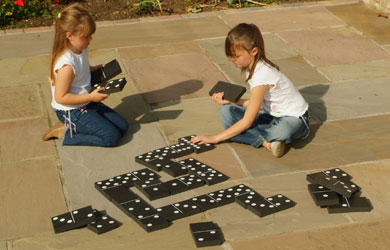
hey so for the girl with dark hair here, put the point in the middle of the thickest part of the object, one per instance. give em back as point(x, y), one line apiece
point(275, 114)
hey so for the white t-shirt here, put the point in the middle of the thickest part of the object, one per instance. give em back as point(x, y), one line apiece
point(281, 100)
point(82, 77)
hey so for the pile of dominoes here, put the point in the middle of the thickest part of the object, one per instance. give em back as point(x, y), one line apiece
point(334, 190)
point(97, 221)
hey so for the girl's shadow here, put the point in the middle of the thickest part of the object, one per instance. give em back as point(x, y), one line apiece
point(317, 109)
point(137, 110)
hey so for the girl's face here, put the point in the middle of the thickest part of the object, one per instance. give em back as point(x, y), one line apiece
point(78, 43)
point(242, 58)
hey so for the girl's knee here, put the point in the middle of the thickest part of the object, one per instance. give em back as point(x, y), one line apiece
point(226, 112)
point(112, 139)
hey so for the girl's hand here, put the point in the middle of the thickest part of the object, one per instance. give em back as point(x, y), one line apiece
point(96, 96)
point(218, 98)
point(202, 139)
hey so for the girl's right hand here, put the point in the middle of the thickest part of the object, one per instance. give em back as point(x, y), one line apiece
point(218, 98)
point(96, 96)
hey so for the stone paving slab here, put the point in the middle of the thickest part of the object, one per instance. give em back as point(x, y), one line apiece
point(286, 19)
point(83, 166)
point(149, 33)
point(204, 119)
point(128, 236)
point(175, 77)
point(31, 193)
point(299, 71)
point(21, 140)
point(24, 70)
point(358, 236)
point(347, 100)
point(345, 142)
point(323, 47)
point(372, 177)
point(365, 20)
point(141, 52)
point(28, 105)
point(46, 100)
point(25, 45)
point(365, 70)
point(239, 223)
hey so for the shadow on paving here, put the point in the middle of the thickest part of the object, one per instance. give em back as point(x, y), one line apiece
point(317, 109)
point(129, 107)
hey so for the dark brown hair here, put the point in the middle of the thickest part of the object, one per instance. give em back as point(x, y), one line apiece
point(74, 19)
point(247, 36)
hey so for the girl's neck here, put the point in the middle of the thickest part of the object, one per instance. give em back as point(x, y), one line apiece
point(75, 50)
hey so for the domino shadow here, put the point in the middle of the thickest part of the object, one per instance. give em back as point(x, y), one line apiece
point(317, 109)
point(137, 109)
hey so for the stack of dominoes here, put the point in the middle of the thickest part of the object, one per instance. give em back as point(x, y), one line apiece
point(101, 76)
point(97, 221)
point(334, 189)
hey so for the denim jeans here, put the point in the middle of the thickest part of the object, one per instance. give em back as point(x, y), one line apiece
point(93, 125)
point(265, 127)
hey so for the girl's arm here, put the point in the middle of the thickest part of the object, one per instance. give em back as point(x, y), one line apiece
point(218, 98)
point(65, 76)
point(253, 107)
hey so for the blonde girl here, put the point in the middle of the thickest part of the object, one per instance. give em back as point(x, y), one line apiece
point(274, 114)
point(87, 120)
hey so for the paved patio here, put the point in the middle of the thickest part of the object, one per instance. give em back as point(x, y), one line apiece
point(336, 52)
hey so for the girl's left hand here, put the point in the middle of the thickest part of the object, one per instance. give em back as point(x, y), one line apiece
point(202, 139)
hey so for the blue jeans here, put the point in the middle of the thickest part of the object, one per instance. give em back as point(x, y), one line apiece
point(265, 127)
point(93, 125)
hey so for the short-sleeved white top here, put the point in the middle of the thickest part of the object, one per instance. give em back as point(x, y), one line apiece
point(82, 77)
point(281, 100)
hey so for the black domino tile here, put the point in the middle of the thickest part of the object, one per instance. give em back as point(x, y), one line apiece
point(170, 212)
point(186, 139)
point(120, 194)
point(156, 191)
point(192, 181)
point(222, 196)
point(176, 186)
point(200, 148)
point(196, 167)
point(153, 223)
point(187, 207)
point(181, 149)
point(205, 202)
point(232, 92)
point(137, 209)
point(104, 223)
point(206, 234)
point(103, 74)
point(246, 199)
point(74, 219)
point(238, 190)
point(322, 196)
point(213, 177)
point(174, 169)
point(114, 86)
point(354, 204)
point(145, 174)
